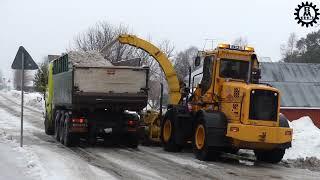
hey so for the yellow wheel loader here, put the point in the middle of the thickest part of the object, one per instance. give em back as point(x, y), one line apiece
point(227, 111)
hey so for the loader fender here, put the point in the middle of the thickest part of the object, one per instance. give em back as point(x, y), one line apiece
point(216, 127)
point(284, 122)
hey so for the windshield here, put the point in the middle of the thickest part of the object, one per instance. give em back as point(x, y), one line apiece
point(235, 69)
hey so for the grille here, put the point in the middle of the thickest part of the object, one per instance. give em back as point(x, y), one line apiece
point(263, 105)
point(236, 92)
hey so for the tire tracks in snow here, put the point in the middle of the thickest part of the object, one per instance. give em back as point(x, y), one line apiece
point(166, 168)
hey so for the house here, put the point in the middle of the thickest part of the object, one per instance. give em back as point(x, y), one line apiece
point(299, 84)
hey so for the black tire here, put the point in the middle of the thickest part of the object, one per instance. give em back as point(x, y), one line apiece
point(168, 138)
point(231, 150)
point(69, 139)
point(270, 156)
point(200, 148)
point(132, 141)
point(48, 128)
point(61, 127)
point(283, 121)
point(56, 126)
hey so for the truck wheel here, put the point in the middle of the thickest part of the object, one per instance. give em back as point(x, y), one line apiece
point(200, 147)
point(68, 138)
point(132, 141)
point(270, 156)
point(167, 136)
point(56, 126)
point(49, 130)
point(61, 127)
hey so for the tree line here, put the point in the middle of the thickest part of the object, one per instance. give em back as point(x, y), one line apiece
point(302, 50)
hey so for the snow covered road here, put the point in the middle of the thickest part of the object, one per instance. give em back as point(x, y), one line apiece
point(44, 158)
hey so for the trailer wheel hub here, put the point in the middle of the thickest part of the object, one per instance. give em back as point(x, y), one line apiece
point(167, 130)
point(200, 136)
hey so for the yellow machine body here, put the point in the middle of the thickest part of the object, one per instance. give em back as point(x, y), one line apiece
point(232, 97)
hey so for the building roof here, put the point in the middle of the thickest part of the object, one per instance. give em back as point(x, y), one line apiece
point(299, 83)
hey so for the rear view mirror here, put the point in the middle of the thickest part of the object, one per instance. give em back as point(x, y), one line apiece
point(197, 61)
point(255, 75)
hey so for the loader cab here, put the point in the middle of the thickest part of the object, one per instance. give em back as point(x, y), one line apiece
point(226, 63)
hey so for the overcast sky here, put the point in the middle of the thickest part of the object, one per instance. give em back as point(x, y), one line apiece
point(49, 27)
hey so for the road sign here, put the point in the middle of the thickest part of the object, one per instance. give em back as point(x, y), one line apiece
point(23, 61)
point(29, 64)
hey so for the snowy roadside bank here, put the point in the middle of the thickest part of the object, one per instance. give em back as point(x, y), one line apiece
point(33, 100)
point(17, 162)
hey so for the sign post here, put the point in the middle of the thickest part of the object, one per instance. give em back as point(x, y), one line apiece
point(23, 61)
point(22, 84)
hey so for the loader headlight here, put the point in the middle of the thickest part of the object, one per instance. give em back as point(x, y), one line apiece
point(288, 133)
point(234, 129)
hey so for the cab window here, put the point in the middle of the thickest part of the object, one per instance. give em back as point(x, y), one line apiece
point(234, 69)
point(207, 74)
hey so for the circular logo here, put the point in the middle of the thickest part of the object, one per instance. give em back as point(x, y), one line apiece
point(307, 14)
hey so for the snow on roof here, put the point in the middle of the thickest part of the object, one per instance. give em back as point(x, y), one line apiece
point(87, 59)
point(299, 83)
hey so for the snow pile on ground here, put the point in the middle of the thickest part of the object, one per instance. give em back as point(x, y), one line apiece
point(311, 163)
point(306, 140)
point(21, 160)
point(31, 99)
point(87, 59)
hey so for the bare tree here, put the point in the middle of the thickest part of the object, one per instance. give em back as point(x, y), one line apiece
point(289, 51)
point(167, 47)
point(184, 60)
point(96, 37)
point(241, 41)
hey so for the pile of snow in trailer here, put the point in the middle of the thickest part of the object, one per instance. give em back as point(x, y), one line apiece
point(87, 59)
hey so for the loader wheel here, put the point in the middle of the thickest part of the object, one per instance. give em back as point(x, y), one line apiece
point(270, 156)
point(167, 136)
point(200, 147)
point(56, 126)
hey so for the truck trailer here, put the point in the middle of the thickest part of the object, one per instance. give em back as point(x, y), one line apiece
point(87, 97)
